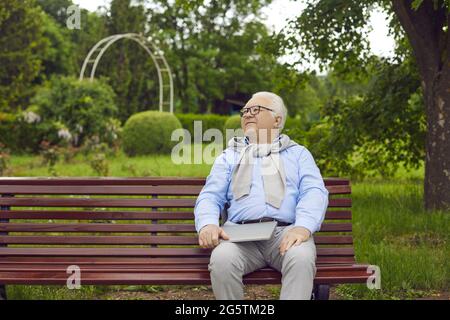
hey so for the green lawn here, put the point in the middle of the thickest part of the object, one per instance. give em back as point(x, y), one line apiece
point(410, 246)
point(120, 166)
point(391, 229)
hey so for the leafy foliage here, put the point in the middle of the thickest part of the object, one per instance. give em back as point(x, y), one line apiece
point(373, 117)
point(375, 132)
point(208, 121)
point(85, 108)
point(21, 46)
point(217, 51)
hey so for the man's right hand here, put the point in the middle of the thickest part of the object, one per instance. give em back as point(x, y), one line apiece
point(209, 236)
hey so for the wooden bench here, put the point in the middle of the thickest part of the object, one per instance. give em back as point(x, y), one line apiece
point(123, 231)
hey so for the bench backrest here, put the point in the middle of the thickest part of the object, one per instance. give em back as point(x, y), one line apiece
point(135, 212)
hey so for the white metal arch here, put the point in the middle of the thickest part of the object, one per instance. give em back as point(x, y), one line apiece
point(165, 78)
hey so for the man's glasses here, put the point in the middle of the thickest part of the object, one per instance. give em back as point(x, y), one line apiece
point(253, 110)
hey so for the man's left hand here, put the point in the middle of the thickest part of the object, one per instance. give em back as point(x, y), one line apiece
point(294, 237)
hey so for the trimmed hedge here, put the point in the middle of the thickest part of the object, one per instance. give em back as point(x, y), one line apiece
point(234, 122)
point(149, 132)
point(209, 121)
point(225, 122)
point(222, 122)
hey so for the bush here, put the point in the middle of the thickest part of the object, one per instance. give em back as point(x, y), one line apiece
point(84, 108)
point(209, 121)
point(4, 159)
point(292, 124)
point(7, 132)
point(234, 122)
point(65, 111)
point(50, 156)
point(332, 154)
point(23, 132)
point(149, 132)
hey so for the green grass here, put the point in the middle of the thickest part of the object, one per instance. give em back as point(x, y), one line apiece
point(25, 292)
point(391, 228)
point(393, 231)
point(120, 166)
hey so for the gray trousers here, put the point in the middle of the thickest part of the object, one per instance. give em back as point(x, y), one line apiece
point(231, 261)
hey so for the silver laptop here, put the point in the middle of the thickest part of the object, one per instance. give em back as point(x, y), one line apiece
point(249, 232)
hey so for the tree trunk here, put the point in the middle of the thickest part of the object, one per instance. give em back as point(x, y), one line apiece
point(424, 28)
point(437, 164)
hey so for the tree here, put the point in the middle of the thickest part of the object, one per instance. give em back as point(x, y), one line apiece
point(58, 57)
point(426, 25)
point(21, 47)
point(68, 48)
point(333, 32)
point(57, 9)
point(215, 50)
point(128, 66)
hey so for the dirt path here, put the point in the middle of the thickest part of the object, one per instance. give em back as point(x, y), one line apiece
point(251, 292)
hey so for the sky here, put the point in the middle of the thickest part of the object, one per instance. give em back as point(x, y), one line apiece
point(280, 11)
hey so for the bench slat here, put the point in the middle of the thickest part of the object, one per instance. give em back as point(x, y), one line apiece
point(96, 215)
point(136, 252)
point(161, 279)
point(180, 190)
point(137, 240)
point(98, 202)
point(126, 215)
point(262, 277)
point(8, 267)
point(128, 181)
point(114, 181)
point(164, 261)
point(321, 270)
point(129, 228)
point(131, 203)
point(100, 240)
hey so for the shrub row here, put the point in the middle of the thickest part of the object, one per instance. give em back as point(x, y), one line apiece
point(150, 131)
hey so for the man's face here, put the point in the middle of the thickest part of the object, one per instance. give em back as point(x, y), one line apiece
point(262, 120)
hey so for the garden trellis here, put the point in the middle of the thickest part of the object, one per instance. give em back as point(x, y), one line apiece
point(165, 77)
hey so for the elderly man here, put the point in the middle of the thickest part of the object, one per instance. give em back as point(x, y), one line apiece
point(263, 176)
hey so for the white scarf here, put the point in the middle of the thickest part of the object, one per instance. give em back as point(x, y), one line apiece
point(272, 169)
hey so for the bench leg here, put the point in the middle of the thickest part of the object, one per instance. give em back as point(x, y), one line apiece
point(321, 292)
point(2, 292)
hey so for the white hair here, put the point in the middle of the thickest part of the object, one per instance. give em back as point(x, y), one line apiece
point(276, 103)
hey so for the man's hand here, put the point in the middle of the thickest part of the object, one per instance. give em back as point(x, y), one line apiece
point(209, 236)
point(294, 237)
